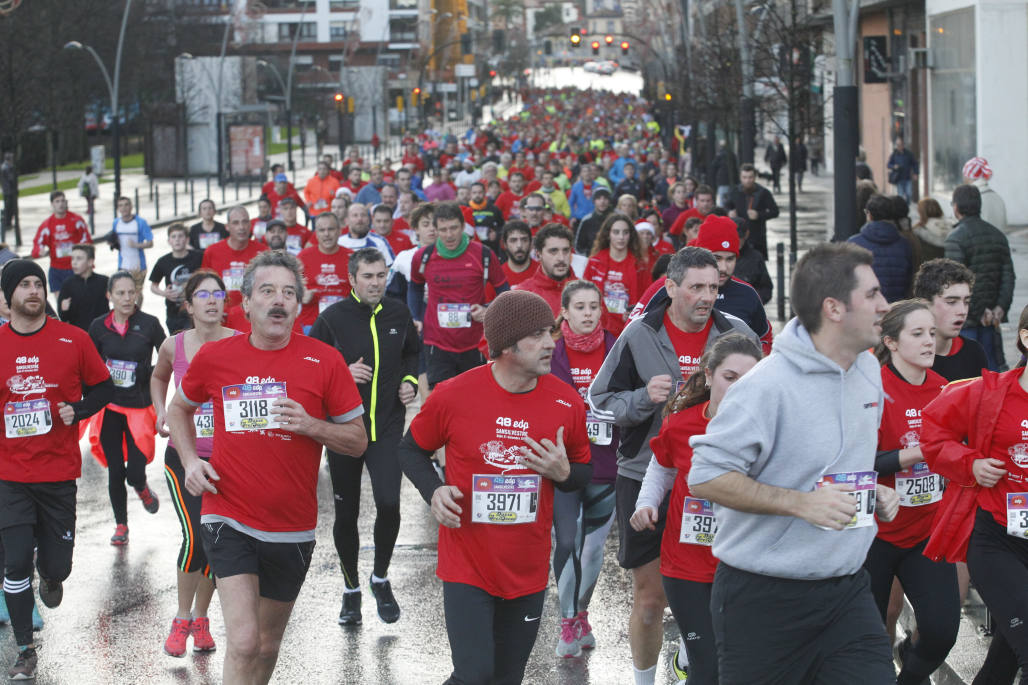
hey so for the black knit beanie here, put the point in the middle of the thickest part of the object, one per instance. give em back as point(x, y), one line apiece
point(17, 270)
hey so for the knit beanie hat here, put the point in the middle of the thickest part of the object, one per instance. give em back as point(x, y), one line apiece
point(512, 316)
point(718, 234)
point(15, 271)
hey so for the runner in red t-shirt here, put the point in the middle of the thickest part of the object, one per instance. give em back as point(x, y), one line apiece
point(516, 242)
point(686, 562)
point(704, 200)
point(615, 268)
point(228, 258)
point(325, 269)
point(382, 223)
point(52, 377)
point(269, 390)
point(907, 352)
point(55, 238)
point(523, 435)
point(509, 200)
point(297, 236)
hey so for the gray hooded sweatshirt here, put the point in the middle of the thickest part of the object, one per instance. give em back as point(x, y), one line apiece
point(794, 418)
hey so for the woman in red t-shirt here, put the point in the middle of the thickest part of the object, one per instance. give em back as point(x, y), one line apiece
point(976, 435)
point(686, 562)
point(907, 351)
point(614, 266)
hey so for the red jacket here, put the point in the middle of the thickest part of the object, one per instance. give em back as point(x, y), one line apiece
point(957, 429)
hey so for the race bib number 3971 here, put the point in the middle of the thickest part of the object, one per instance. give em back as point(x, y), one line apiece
point(502, 499)
point(863, 484)
point(249, 406)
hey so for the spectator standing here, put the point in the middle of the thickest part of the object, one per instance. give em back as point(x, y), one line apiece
point(89, 189)
point(978, 173)
point(753, 204)
point(902, 170)
point(893, 260)
point(776, 158)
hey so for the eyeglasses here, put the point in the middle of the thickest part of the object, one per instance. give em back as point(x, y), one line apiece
point(534, 208)
point(204, 294)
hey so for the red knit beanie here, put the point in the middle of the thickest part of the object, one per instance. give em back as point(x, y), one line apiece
point(718, 234)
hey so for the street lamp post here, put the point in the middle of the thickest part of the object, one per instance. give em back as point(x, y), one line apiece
point(112, 89)
point(287, 93)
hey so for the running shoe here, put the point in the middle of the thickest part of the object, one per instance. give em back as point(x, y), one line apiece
point(568, 646)
point(585, 631)
point(175, 645)
point(388, 609)
point(51, 592)
point(149, 499)
point(120, 536)
point(37, 620)
point(25, 666)
point(350, 615)
point(680, 672)
point(200, 629)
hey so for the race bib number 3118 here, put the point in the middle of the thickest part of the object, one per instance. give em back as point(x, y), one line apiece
point(249, 406)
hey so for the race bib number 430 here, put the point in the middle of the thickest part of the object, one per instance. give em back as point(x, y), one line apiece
point(27, 419)
point(203, 419)
point(863, 484)
point(249, 406)
point(504, 499)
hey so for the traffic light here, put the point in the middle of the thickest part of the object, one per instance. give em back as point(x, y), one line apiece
point(609, 38)
point(576, 39)
point(340, 100)
point(596, 47)
point(492, 73)
point(667, 97)
point(624, 47)
point(415, 97)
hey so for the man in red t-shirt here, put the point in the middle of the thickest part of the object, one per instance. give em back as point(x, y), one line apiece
point(44, 366)
point(325, 269)
point(382, 224)
point(297, 236)
point(516, 242)
point(523, 434)
point(456, 273)
point(283, 189)
point(55, 238)
point(228, 258)
point(509, 201)
point(704, 205)
point(271, 391)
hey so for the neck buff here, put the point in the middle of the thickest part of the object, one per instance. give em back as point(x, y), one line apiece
point(453, 254)
point(581, 343)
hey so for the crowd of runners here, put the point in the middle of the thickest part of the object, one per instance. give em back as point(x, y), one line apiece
point(575, 319)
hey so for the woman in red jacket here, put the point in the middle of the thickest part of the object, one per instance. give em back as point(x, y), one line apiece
point(614, 267)
point(906, 352)
point(976, 435)
point(685, 558)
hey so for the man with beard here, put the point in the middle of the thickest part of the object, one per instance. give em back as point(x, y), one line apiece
point(509, 202)
point(358, 235)
point(754, 205)
point(517, 247)
point(553, 247)
point(488, 219)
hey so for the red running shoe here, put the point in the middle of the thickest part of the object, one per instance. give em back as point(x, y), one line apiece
point(200, 629)
point(175, 645)
point(120, 536)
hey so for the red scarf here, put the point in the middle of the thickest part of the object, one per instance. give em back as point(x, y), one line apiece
point(581, 343)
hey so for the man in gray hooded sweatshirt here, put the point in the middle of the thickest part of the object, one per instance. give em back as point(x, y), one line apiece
point(789, 464)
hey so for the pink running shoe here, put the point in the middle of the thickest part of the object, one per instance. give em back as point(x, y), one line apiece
point(568, 646)
point(585, 631)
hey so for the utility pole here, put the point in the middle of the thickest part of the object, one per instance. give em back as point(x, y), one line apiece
point(844, 118)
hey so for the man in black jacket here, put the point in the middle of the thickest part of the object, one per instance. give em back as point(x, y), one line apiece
point(754, 204)
point(83, 297)
point(377, 338)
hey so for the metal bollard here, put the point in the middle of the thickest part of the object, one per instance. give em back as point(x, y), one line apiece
point(222, 192)
point(151, 187)
point(156, 203)
point(137, 200)
point(174, 198)
point(192, 197)
point(249, 187)
point(208, 187)
point(780, 261)
point(237, 191)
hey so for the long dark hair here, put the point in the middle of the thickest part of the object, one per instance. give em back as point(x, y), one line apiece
point(602, 241)
point(695, 391)
point(892, 325)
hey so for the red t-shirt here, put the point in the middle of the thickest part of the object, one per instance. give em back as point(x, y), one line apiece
point(327, 276)
point(679, 226)
point(507, 203)
point(38, 371)
point(515, 277)
point(398, 240)
point(900, 429)
point(230, 264)
point(58, 235)
point(618, 281)
point(269, 478)
point(683, 560)
point(453, 286)
point(297, 238)
point(688, 346)
point(274, 198)
point(483, 426)
point(585, 366)
point(1009, 445)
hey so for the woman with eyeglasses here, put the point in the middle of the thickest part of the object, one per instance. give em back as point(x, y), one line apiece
point(204, 304)
point(121, 435)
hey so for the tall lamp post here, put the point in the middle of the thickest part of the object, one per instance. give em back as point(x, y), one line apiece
point(112, 89)
point(287, 94)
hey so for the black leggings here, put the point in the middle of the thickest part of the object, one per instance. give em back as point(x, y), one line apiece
point(384, 468)
point(490, 638)
point(998, 564)
point(116, 439)
point(690, 604)
point(191, 554)
point(932, 590)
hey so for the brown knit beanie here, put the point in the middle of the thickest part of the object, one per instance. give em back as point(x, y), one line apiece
point(512, 316)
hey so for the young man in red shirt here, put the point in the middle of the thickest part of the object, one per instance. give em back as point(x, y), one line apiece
point(509, 201)
point(55, 237)
point(270, 390)
point(517, 246)
point(553, 247)
point(382, 224)
point(44, 366)
point(228, 258)
point(523, 435)
point(704, 205)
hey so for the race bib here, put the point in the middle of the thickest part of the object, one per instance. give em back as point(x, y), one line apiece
point(616, 298)
point(918, 486)
point(1017, 514)
point(208, 239)
point(326, 301)
point(454, 315)
point(122, 373)
point(233, 278)
point(600, 432)
point(64, 249)
point(863, 483)
point(294, 244)
point(698, 523)
point(249, 406)
point(504, 499)
point(27, 419)
point(203, 419)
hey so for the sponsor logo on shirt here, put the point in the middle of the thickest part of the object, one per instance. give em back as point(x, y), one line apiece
point(253, 380)
point(65, 340)
point(1018, 454)
point(312, 359)
point(564, 402)
point(26, 385)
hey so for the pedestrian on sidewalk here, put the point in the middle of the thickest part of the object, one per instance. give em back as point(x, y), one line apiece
point(902, 170)
point(89, 188)
point(9, 188)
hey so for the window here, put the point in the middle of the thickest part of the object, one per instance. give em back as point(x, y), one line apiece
point(308, 31)
point(340, 30)
point(954, 121)
point(403, 30)
point(403, 4)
